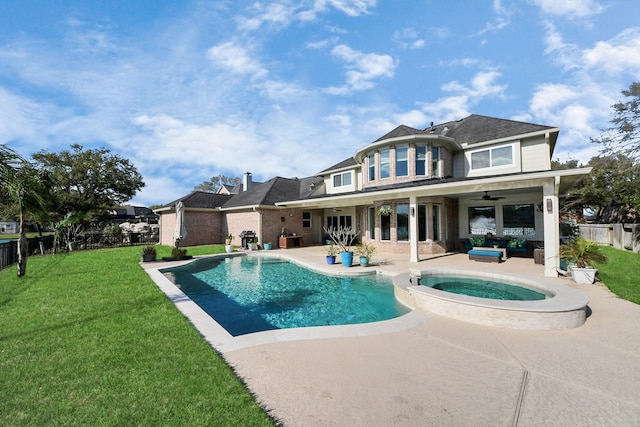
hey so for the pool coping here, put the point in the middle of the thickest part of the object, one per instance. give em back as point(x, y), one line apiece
point(222, 341)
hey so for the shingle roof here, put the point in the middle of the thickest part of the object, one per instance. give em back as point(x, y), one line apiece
point(275, 190)
point(470, 130)
point(201, 199)
point(351, 161)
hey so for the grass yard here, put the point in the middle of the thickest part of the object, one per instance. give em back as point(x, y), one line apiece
point(88, 339)
point(620, 273)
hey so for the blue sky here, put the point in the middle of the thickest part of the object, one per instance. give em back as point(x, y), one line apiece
point(191, 89)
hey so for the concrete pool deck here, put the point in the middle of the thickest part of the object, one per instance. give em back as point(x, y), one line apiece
point(439, 371)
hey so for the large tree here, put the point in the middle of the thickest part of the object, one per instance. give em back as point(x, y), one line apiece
point(611, 191)
point(214, 184)
point(87, 183)
point(624, 134)
point(25, 186)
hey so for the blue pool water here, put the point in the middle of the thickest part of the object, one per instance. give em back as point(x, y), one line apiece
point(481, 288)
point(251, 294)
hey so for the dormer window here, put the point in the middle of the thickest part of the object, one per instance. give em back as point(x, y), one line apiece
point(493, 157)
point(342, 179)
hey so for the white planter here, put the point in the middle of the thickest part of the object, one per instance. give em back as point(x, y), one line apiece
point(583, 276)
point(253, 246)
point(228, 248)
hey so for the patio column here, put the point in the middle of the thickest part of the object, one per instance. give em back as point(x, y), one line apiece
point(551, 215)
point(413, 228)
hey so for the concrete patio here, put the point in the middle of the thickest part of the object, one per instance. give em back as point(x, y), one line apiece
point(430, 370)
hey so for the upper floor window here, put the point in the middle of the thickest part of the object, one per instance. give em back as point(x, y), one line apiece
point(385, 160)
point(402, 161)
point(499, 156)
point(342, 179)
point(435, 161)
point(421, 160)
point(372, 167)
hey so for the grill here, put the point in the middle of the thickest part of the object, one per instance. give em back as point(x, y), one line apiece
point(247, 235)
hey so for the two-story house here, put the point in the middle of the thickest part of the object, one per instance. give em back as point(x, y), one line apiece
point(422, 191)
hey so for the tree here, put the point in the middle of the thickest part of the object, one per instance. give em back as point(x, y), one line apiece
point(24, 185)
point(624, 136)
point(214, 184)
point(612, 190)
point(87, 183)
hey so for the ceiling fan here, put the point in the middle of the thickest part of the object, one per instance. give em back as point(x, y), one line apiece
point(487, 197)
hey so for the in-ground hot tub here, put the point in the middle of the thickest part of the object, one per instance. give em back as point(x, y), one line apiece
point(563, 307)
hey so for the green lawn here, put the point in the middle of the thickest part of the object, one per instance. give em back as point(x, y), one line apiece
point(620, 273)
point(88, 339)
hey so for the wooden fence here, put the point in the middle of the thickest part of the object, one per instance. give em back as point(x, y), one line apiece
point(620, 236)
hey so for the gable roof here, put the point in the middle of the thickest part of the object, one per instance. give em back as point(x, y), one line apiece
point(351, 161)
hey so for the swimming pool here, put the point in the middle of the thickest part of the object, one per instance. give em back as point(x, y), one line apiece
point(252, 294)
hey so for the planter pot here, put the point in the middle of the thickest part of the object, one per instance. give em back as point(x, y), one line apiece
point(331, 259)
point(267, 246)
point(148, 257)
point(346, 258)
point(253, 246)
point(364, 261)
point(228, 248)
point(583, 276)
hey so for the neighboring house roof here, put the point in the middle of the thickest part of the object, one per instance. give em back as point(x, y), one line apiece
point(200, 199)
point(275, 190)
point(132, 212)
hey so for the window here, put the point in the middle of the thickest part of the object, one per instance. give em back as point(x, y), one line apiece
point(402, 161)
point(435, 162)
point(501, 156)
point(423, 221)
point(372, 167)
point(342, 179)
point(385, 227)
point(482, 220)
point(306, 219)
point(421, 160)
point(385, 161)
point(402, 223)
point(341, 221)
point(519, 220)
point(436, 223)
point(372, 223)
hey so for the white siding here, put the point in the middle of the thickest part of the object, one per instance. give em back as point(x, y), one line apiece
point(535, 155)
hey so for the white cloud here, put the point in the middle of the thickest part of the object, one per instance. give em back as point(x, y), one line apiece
point(570, 8)
point(235, 58)
point(618, 55)
point(362, 69)
point(464, 97)
point(408, 38)
point(273, 15)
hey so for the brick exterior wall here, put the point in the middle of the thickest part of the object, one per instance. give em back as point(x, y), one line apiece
point(202, 228)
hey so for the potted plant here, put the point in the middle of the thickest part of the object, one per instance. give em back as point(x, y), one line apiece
point(253, 243)
point(268, 246)
point(365, 251)
point(228, 239)
point(332, 251)
point(178, 254)
point(149, 253)
point(385, 210)
point(343, 237)
point(584, 254)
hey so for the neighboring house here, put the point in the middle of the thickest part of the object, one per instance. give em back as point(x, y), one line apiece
point(133, 214)
point(440, 185)
point(9, 227)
